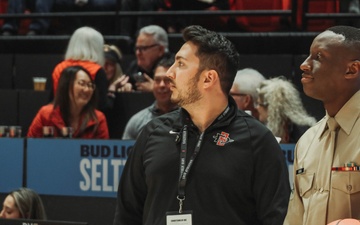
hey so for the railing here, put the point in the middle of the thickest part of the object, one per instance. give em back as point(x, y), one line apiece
point(270, 42)
point(151, 13)
point(308, 16)
point(292, 14)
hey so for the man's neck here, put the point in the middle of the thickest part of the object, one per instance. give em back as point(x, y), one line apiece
point(334, 106)
point(204, 113)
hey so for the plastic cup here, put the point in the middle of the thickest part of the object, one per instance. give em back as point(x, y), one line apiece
point(15, 131)
point(48, 131)
point(67, 132)
point(39, 83)
point(4, 131)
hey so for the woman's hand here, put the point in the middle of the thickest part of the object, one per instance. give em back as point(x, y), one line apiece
point(121, 85)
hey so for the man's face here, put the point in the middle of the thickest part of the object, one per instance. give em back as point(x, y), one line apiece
point(161, 88)
point(325, 67)
point(185, 76)
point(147, 51)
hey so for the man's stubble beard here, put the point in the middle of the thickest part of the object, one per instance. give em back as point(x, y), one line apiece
point(191, 95)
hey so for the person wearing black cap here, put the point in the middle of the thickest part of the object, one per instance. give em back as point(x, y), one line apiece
point(114, 73)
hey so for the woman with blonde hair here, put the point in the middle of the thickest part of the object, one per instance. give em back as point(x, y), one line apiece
point(117, 79)
point(281, 109)
point(23, 203)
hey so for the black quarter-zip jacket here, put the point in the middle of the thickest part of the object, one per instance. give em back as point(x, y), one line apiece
point(239, 176)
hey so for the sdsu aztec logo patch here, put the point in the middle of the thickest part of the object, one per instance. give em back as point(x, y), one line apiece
point(222, 138)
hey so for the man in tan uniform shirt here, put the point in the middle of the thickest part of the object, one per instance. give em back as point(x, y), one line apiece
point(327, 179)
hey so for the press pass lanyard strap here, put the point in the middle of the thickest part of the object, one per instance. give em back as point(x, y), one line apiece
point(185, 169)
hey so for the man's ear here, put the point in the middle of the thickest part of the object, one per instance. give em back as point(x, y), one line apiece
point(162, 50)
point(247, 100)
point(210, 78)
point(353, 70)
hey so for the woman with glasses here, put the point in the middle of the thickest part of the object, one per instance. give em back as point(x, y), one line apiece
point(74, 107)
point(280, 108)
point(86, 49)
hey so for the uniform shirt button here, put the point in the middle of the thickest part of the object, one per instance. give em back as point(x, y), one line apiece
point(349, 187)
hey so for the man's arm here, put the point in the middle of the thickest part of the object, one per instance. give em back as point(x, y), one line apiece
point(271, 181)
point(132, 188)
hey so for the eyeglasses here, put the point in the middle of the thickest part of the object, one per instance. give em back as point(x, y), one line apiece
point(258, 104)
point(166, 80)
point(84, 84)
point(237, 94)
point(144, 48)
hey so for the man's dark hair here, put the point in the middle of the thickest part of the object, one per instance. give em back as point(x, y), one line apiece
point(214, 52)
point(350, 33)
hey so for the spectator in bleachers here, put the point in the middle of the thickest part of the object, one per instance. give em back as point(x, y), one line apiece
point(129, 25)
point(41, 25)
point(102, 24)
point(23, 203)
point(74, 106)
point(349, 6)
point(162, 104)
point(244, 90)
point(151, 45)
point(281, 109)
point(86, 48)
point(176, 24)
point(113, 57)
point(114, 74)
point(37, 26)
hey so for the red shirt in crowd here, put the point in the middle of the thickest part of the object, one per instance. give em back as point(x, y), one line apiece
point(48, 116)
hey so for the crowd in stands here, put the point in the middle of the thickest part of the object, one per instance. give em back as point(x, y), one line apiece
point(94, 76)
point(86, 47)
point(129, 25)
point(88, 55)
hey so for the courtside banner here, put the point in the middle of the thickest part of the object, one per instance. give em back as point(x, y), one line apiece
point(288, 150)
point(11, 164)
point(76, 167)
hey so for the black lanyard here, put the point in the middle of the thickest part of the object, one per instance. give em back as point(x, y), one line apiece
point(185, 169)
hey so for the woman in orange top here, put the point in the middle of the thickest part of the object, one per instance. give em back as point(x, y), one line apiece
point(85, 49)
point(74, 106)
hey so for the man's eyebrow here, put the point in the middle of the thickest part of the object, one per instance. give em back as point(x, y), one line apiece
point(178, 57)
